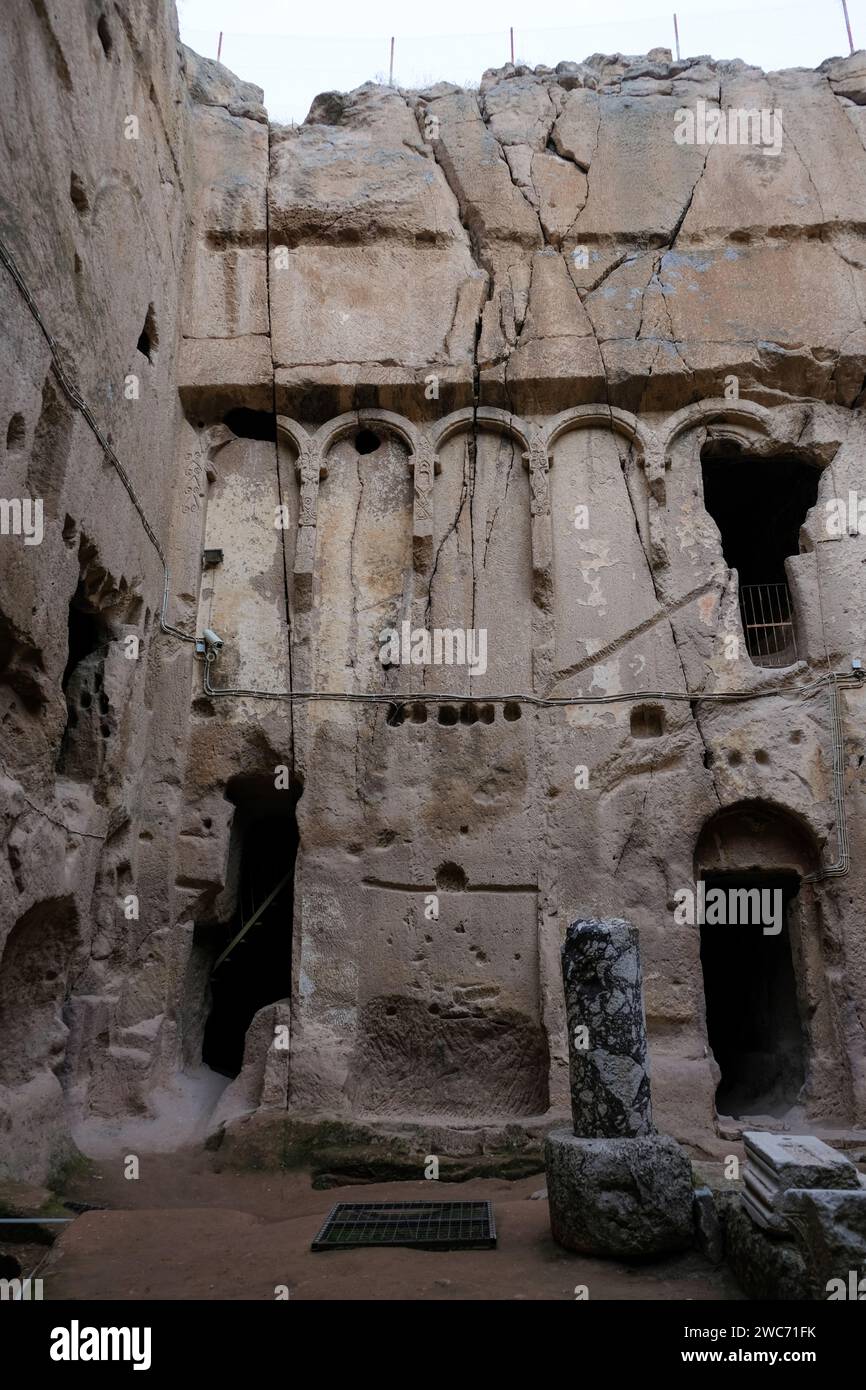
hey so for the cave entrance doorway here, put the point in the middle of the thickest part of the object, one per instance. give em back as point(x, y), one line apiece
point(761, 985)
point(753, 1017)
point(759, 505)
point(252, 952)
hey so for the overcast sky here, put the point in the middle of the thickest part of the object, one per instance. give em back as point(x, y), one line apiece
point(294, 52)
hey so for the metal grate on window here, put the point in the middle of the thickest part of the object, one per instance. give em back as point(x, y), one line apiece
point(424, 1225)
point(768, 624)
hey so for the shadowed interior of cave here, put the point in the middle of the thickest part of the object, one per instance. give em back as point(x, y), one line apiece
point(759, 506)
point(753, 1018)
point(82, 684)
point(258, 970)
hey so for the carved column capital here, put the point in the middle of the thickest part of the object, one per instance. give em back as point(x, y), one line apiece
point(538, 463)
point(310, 472)
point(425, 466)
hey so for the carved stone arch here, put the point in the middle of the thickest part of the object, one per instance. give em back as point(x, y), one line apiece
point(489, 417)
point(295, 433)
point(743, 419)
point(531, 440)
point(757, 833)
point(740, 420)
point(602, 417)
point(648, 452)
point(353, 420)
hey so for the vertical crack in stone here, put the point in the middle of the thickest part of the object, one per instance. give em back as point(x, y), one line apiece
point(500, 505)
point(668, 617)
point(281, 499)
point(464, 495)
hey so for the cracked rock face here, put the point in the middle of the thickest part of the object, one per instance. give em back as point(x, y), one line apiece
point(450, 359)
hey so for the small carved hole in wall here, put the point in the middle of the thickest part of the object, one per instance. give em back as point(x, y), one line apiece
point(366, 442)
point(396, 715)
point(148, 338)
point(447, 714)
point(511, 711)
point(419, 713)
point(450, 878)
point(104, 33)
point(468, 713)
point(15, 434)
point(762, 756)
point(647, 721)
point(78, 193)
point(735, 757)
point(486, 713)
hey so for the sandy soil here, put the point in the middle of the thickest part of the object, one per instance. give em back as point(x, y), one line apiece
point(184, 1231)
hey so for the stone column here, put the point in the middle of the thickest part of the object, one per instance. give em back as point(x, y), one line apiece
point(607, 1047)
point(614, 1186)
point(537, 462)
point(425, 466)
point(310, 472)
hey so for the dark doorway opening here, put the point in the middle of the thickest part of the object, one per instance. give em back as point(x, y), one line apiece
point(759, 505)
point(753, 1017)
point(258, 969)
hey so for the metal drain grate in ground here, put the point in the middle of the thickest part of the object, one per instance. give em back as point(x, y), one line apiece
point(424, 1225)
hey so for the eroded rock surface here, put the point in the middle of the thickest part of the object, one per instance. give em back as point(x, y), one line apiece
point(504, 334)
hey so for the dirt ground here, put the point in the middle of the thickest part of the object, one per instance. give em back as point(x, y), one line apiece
point(184, 1231)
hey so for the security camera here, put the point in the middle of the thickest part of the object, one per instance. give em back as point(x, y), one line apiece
point(212, 640)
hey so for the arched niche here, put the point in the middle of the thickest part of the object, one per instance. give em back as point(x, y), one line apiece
point(602, 581)
point(242, 594)
point(481, 574)
point(756, 835)
point(363, 546)
point(602, 417)
point(384, 424)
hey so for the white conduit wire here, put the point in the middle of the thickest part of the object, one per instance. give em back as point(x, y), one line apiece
point(833, 680)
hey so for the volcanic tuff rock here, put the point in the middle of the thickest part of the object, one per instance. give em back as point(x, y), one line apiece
point(476, 315)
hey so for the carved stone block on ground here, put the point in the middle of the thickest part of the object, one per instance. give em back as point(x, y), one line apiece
point(624, 1198)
